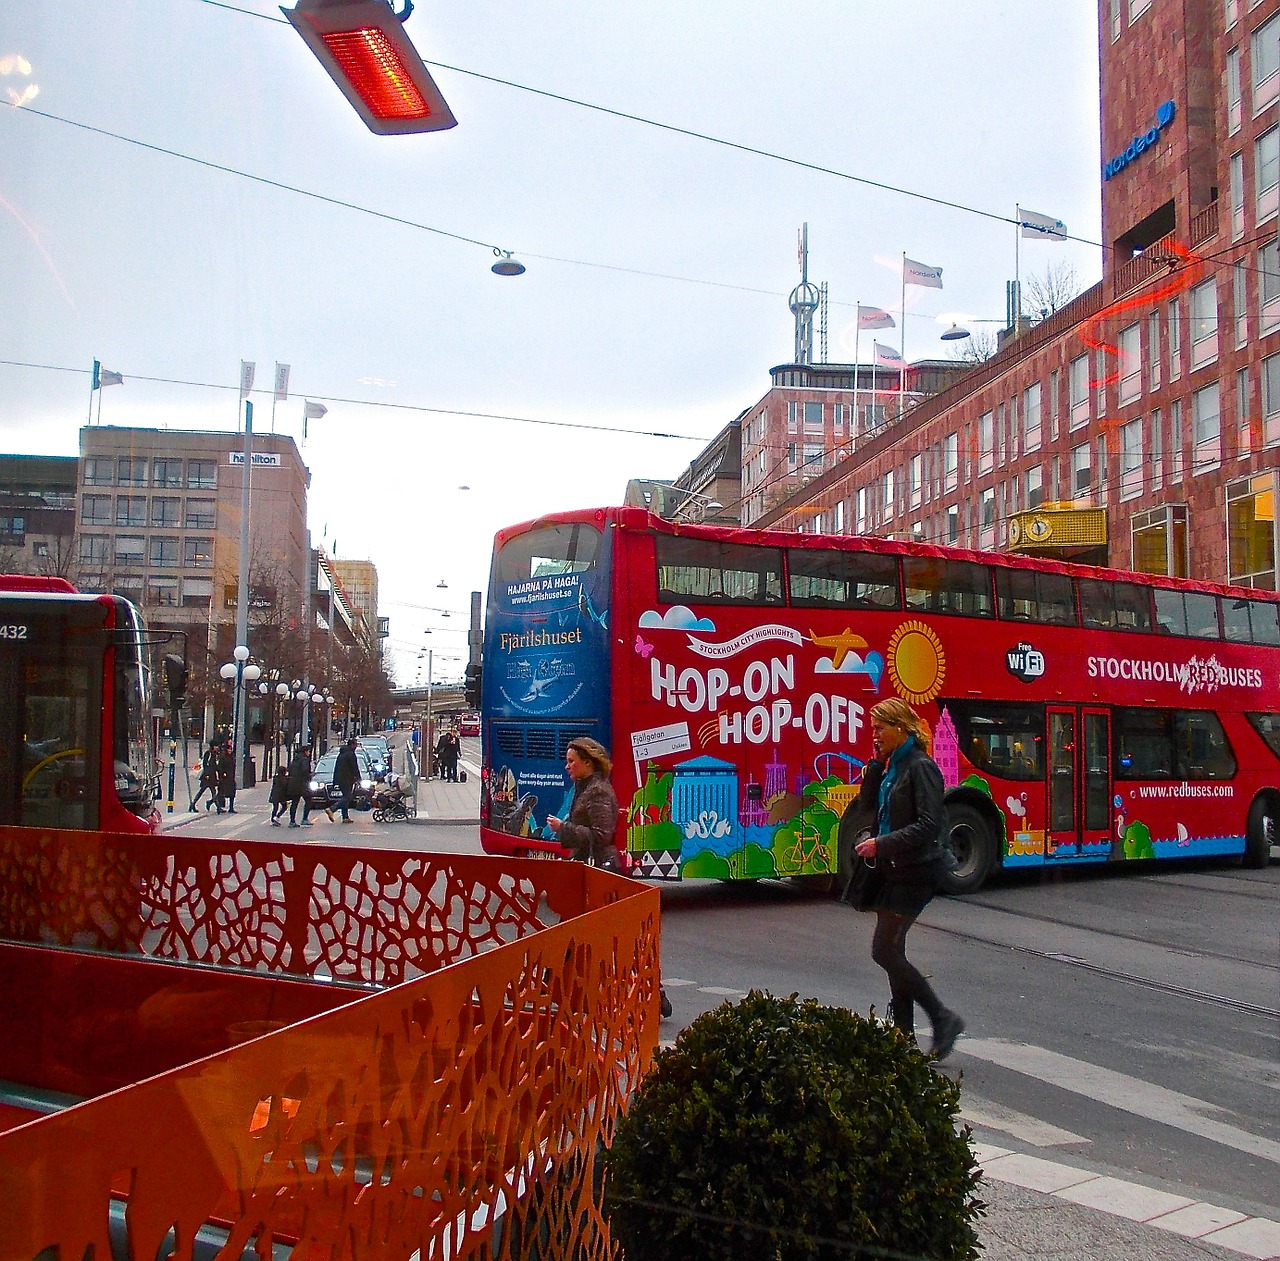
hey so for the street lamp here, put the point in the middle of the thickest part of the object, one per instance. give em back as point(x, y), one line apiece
point(242, 671)
point(702, 504)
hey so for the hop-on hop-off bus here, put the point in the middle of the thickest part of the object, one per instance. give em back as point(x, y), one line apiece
point(1080, 715)
point(75, 738)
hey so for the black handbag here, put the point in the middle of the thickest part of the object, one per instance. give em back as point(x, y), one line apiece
point(865, 881)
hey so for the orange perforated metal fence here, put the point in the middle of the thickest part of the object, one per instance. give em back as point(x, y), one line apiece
point(492, 1018)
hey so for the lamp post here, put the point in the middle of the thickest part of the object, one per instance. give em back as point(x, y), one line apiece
point(240, 672)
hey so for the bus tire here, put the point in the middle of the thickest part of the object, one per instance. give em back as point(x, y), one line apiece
point(974, 848)
point(1261, 833)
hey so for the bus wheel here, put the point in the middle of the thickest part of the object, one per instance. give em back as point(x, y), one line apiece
point(974, 850)
point(1260, 834)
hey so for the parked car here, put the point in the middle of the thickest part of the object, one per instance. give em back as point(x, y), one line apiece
point(322, 793)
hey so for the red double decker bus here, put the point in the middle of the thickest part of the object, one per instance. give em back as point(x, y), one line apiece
point(1080, 715)
point(75, 740)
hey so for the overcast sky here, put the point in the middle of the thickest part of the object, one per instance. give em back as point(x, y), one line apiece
point(659, 265)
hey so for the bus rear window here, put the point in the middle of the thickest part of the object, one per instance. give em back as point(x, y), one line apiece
point(934, 585)
point(1268, 727)
point(571, 548)
point(818, 578)
point(724, 573)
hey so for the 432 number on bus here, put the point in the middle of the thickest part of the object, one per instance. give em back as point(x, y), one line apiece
point(11, 631)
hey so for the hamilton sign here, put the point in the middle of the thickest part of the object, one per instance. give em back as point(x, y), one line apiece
point(1141, 143)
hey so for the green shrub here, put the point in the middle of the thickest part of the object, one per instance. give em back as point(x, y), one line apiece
point(778, 1129)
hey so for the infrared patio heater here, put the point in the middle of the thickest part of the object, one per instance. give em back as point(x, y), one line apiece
point(362, 44)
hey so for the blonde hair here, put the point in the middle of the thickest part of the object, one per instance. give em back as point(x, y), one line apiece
point(594, 752)
point(897, 713)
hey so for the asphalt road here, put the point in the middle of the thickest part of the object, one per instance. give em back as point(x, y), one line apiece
point(1123, 1021)
point(1127, 1020)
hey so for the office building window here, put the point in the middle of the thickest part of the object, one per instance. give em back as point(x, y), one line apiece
point(915, 479)
point(1079, 391)
point(1206, 425)
point(95, 510)
point(814, 459)
point(202, 474)
point(1271, 398)
point(951, 458)
point(840, 516)
point(1137, 8)
point(1051, 417)
point(131, 549)
point(1175, 340)
point(197, 553)
point(201, 515)
point(164, 551)
point(1131, 459)
point(131, 510)
point(986, 442)
point(1269, 287)
point(1032, 417)
point(1035, 486)
point(837, 418)
point(1240, 301)
point(1251, 531)
point(1233, 91)
point(1157, 450)
point(98, 472)
point(1176, 441)
point(1153, 349)
point(129, 586)
point(860, 510)
point(988, 508)
point(791, 456)
point(1081, 470)
point(873, 416)
point(1264, 62)
point(95, 551)
point(813, 418)
point(1237, 195)
point(164, 512)
point(793, 417)
point(1160, 542)
point(1130, 363)
point(1101, 480)
point(1266, 173)
point(1115, 20)
point(166, 473)
point(1204, 324)
point(163, 592)
point(1248, 430)
point(196, 592)
point(131, 471)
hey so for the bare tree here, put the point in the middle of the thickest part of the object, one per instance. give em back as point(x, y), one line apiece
point(1049, 291)
point(978, 347)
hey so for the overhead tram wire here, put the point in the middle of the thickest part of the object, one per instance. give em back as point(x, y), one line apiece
point(404, 407)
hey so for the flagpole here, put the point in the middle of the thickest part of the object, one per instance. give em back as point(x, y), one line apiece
point(1017, 267)
point(902, 342)
point(855, 429)
point(93, 385)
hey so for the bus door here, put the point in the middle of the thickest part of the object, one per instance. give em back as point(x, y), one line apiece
point(1079, 780)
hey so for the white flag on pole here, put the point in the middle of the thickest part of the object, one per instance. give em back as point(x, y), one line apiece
point(914, 273)
point(282, 382)
point(313, 411)
point(887, 357)
point(246, 378)
point(1041, 227)
point(874, 317)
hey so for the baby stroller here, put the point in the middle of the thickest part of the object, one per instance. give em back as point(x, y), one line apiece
point(391, 803)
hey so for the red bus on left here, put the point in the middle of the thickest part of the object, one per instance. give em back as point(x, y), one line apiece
point(75, 740)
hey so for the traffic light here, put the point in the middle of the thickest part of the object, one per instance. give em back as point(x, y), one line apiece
point(175, 678)
point(474, 672)
point(362, 44)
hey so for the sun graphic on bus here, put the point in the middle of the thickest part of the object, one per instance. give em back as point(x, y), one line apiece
point(917, 664)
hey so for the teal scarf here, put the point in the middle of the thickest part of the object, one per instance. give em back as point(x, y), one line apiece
point(887, 782)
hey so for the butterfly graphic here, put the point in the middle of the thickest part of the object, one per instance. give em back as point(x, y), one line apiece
point(644, 647)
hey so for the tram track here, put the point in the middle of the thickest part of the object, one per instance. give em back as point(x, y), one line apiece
point(1125, 978)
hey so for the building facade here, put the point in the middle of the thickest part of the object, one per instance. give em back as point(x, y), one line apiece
point(38, 514)
point(1140, 424)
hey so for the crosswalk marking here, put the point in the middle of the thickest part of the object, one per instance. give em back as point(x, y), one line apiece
point(1118, 1090)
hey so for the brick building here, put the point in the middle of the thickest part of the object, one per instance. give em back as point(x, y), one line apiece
point(1140, 424)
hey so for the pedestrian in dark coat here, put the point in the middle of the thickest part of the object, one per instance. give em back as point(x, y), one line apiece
point(346, 772)
point(279, 794)
point(226, 772)
point(909, 846)
point(208, 778)
point(297, 779)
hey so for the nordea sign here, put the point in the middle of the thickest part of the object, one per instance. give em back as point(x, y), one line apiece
point(1140, 144)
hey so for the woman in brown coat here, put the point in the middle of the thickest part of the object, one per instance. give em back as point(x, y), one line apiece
point(593, 817)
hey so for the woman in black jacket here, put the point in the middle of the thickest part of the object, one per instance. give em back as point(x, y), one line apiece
point(909, 848)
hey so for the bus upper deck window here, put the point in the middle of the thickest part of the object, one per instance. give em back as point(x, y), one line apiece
point(1032, 596)
point(1250, 621)
point(823, 578)
point(1115, 605)
point(1202, 614)
point(728, 573)
point(933, 585)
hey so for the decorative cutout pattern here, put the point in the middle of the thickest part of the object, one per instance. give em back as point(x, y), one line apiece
point(457, 1114)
